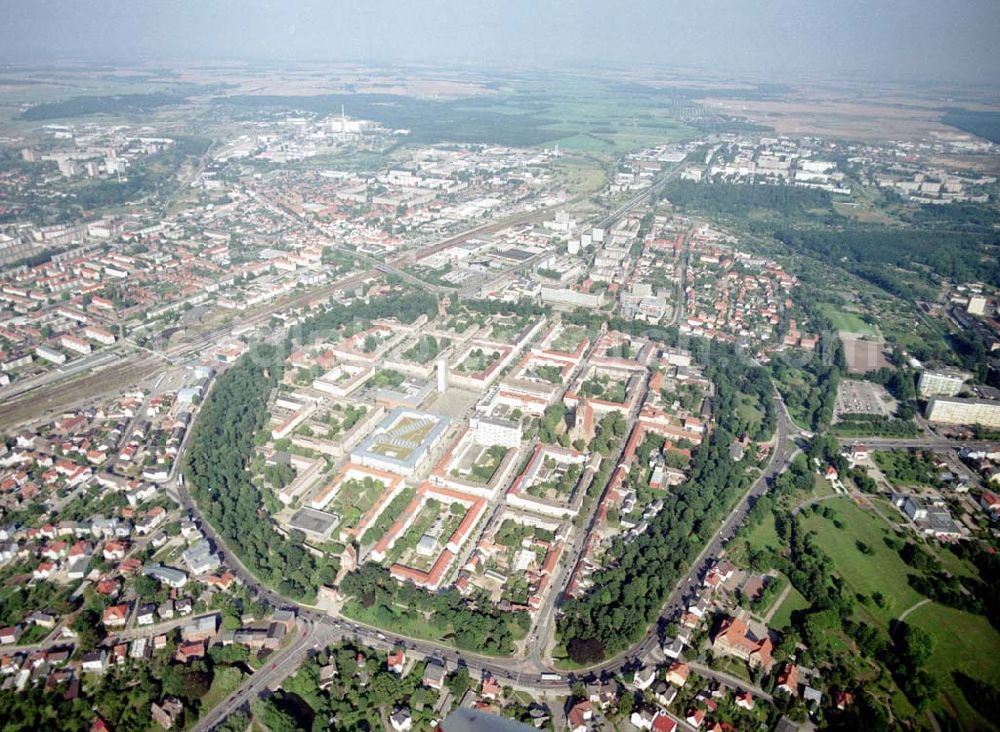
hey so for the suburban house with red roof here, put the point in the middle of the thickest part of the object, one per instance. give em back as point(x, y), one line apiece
point(788, 680)
point(116, 615)
point(396, 661)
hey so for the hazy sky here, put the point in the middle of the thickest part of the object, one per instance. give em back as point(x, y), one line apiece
point(863, 39)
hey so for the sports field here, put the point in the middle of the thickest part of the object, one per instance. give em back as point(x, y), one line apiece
point(847, 321)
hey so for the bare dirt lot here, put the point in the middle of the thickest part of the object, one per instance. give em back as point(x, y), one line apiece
point(863, 353)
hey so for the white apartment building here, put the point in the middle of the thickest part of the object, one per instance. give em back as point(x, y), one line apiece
point(951, 410)
point(941, 383)
point(492, 431)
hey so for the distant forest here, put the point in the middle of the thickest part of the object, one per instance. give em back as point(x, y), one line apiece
point(958, 241)
point(982, 124)
point(117, 104)
point(872, 252)
point(738, 200)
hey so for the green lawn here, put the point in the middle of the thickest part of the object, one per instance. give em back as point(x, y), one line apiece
point(951, 563)
point(551, 374)
point(425, 519)
point(568, 339)
point(821, 488)
point(412, 624)
point(883, 571)
point(795, 380)
point(732, 666)
point(904, 468)
point(603, 387)
point(486, 464)
point(355, 498)
point(963, 642)
point(224, 682)
point(34, 634)
point(478, 361)
point(850, 322)
point(782, 618)
point(764, 536)
point(388, 516)
point(780, 583)
point(747, 410)
point(562, 661)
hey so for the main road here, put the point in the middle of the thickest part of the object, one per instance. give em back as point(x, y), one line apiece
point(524, 673)
point(902, 443)
point(319, 628)
point(782, 454)
point(309, 635)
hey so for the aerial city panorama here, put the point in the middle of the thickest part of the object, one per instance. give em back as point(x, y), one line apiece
point(490, 367)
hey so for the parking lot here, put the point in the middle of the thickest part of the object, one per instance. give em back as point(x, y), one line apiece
point(863, 397)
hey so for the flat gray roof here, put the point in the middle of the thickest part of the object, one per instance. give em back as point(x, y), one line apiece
point(317, 523)
point(464, 719)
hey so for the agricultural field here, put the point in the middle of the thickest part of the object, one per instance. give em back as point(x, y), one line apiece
point(613, 119)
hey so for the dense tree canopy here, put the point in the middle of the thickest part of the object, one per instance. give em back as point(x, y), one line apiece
point(738, 199)
point(628, 594)
point(217, 475)
point(477, 627)
point(223, 440)
point(872, 252)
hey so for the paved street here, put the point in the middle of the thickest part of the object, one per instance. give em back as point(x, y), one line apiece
point(900, 443)
point(521, 673)
point(524, 672)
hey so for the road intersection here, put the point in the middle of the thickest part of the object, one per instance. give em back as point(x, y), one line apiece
point(530, 672)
